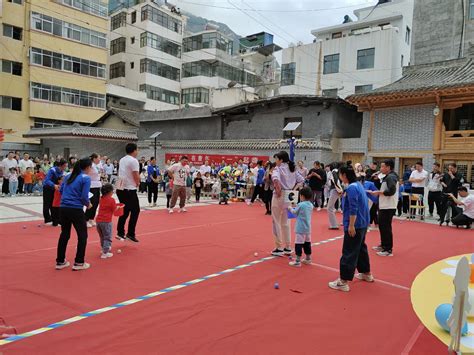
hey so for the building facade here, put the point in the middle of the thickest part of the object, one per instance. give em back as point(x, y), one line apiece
point(354, 57)
point(54, 57)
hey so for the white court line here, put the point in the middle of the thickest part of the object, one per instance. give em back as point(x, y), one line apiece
point(35, 250)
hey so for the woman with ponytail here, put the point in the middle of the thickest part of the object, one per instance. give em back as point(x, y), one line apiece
point(75, 195)
point(284, 178)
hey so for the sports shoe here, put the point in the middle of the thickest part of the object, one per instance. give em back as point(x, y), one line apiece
point(106, 255)
point(339, 285)
point(154, 205)
point(89, 224)
point(60, 266)
point(295, 263)
point(119, 237)
point(183, 210)
point(133, 239)
point(318, 209)
point(83, 266)
point(365, 277)
point(170, 211)
point(287, 251)
point(384, 253)
point(277, 252)
point(307, 261)
point(150, 205)
point(377, 248)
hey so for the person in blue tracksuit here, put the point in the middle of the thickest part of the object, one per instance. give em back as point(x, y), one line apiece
point(50, 184)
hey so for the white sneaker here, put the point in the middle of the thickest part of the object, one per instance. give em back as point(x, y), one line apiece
point(307, 261)
point(318, 209)
point(150, 205)
point(170, 211)
point(106, 255)
point(365, 277)
point(295, 263)
point(385, 253)
point(339, 285)
point(89, 224)
point(183, 210)
point(93, 223)
point(64, 265)
point(83, 266)
point(377, 248)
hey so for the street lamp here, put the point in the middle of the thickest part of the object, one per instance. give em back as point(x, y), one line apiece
point(154, 136)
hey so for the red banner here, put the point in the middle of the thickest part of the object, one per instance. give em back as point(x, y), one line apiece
point(199, 159)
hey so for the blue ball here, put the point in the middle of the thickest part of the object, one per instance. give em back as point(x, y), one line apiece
point(442, 313)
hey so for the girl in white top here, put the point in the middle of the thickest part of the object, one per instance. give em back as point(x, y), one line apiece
point(94, 173)
point(284, 178)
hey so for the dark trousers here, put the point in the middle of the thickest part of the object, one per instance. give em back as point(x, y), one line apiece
point(385, 226)
point(132, 208)
point(6, 186)
point(447, 203)
point(406, 202)
point(434, 198)
point(152, 191)
point(258, 191)
point(21, 183)
point(420, 191)
point(399, 207)
point(55, 215)
point(168, 199)
point(268, 194)
point(197, 191)
point(48, 197)
point(94, 200)
point(354, 255)
point(306, 246)
point(374, 218)
point(462, 220)
point(72, 217)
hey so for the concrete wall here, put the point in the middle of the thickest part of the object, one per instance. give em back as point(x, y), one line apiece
point(115, 122)
point(81, 147)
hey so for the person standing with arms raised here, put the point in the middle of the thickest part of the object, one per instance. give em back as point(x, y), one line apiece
point(179, 173)
point(284, 178)
point(128, 181)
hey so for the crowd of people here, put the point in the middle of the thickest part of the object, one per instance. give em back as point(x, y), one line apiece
point(78, 193)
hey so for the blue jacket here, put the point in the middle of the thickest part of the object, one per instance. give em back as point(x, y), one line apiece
point(151, 169)
point(303, 212)
point(76, 194)
point(370, 186)
point(260, 176)
point(356, 204)
point(52, 177)
point(406, 183)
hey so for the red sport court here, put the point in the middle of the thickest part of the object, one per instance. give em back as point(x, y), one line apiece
point(194, 286)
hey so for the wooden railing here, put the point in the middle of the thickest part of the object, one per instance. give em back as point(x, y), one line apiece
point(458, 140)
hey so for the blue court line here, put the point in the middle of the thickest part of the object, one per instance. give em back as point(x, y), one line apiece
point(129, 302)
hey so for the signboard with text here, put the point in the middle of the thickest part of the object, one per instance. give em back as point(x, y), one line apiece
point(199, 159)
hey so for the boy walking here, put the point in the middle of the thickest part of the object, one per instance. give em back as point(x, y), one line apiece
point(303, 212)
point(107, 208)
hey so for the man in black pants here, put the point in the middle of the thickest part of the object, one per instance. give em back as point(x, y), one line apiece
point(388, 200)
point(128, 181)
point(435, 189)
point(317, 180)
point(451, 182)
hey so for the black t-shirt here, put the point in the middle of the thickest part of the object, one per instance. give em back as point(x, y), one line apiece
point(314, 182)
point(453, 184)
point(198, 183)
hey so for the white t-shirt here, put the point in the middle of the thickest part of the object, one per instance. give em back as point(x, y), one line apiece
point(180, 173)
point(24, 164)
point(127, 166)
point(415, 174)
point(7, 164)
point(468, 206)
point(204, 169)
point(94, 174)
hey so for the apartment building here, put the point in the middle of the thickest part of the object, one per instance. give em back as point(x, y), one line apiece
point(353, 57)
point(54, 59)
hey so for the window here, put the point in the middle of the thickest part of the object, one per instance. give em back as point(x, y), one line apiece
point(208, 40)
point(48, 123)
point(203, 68)
point(365, 58)
point(459, 119)
point(330, 93)
point(407, 35)
point(362, 89)
point(132, 40)
point(10, 103)
point(331, 64)
point(160, 69)
point(134, 16)
point(288, 72)
point(67, 63)
point(161, 18)
point(297, 133)
point(94, 7)
point(195, 95)
point(119, 20)
point(132, 65)
point(68, 30)
point(336, 35)
point(67, 96)
point(10, 67)
point(117, 70)
point(12, 32)
point(117, 45)
point(159, 94)
point(471, 9)
point(19, 2)
point(148, 39)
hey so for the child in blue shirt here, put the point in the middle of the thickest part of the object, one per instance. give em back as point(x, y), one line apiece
point(303, 212)
point(400, 198)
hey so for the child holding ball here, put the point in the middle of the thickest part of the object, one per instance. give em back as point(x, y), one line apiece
point(107, 208)
point(303, 212)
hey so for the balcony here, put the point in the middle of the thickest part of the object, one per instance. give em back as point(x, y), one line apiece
point(462, 141)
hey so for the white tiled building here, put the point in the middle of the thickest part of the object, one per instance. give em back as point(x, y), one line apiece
point(353, 57)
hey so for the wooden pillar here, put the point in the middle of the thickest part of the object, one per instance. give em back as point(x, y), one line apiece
point(371, 129)
point(438, 131)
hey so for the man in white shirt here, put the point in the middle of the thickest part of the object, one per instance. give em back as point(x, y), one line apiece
point(178, 173)
point(23, 165)
point(128, 181)
point(205, 168)
point(466, 218)
point(7, 163)
point(418, 179)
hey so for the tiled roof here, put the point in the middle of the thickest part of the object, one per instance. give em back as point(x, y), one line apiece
point(435, 76)
point(82, 131)
point(129, 116)
point(247, 144)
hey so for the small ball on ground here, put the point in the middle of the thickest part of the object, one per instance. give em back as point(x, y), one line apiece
point(119, 251)
point(255, 254)
point(276, 286)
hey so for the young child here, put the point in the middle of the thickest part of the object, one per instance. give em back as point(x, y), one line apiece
point(224, 197)
point(38, 181)
point(189, 187)
point(168, 190)
point(303, 212)
point(28, 181)
point(56, 204)
point(216, 187)
point(143, 178)
point(107, 208)
point(198, 184)
point(13, 182)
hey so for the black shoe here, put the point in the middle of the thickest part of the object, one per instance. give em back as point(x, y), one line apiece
point(120, 237)
point(422, 218)
point(287, 251)
point(277, 252)
point(133, 239)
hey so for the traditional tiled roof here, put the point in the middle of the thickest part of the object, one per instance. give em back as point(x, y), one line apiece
point(452, 74)
point(82, 131)
point(244, 144)
point(129, 116)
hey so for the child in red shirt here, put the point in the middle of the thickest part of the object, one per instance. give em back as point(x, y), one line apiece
point(56, 204)
point(107, 208)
